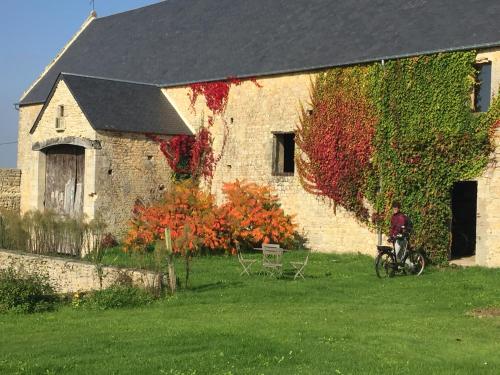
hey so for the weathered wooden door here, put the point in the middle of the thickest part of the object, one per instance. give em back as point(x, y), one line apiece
point(65, 167)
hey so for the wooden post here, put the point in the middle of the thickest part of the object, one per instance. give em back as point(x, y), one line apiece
point(172, 280)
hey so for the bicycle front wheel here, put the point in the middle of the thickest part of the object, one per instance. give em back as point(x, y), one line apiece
point(418, 261)
point(384, 265)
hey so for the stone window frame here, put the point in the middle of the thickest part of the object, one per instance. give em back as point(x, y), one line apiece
point(278, 161)
point(477, 86)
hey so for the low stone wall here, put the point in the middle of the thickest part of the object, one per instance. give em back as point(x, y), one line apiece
point(68, 276)
point(10, 189)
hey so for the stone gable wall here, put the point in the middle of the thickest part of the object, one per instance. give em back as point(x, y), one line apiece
point(125, 167)
point(10, 189)
point(32, 163)
point(70, 276)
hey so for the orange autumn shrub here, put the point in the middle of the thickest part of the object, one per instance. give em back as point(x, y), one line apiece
point(188, 211)
point(253, 215)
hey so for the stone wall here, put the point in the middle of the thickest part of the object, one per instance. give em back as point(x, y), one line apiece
point(68, 276)
point(10, 189)
point(488, 188)
point(125, 167)
point(25, 162)
point(253, 114)
point(128, 167)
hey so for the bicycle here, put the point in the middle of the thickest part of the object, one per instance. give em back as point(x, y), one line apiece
point(387, 264)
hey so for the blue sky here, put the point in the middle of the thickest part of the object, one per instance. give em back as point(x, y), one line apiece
point(32, 32)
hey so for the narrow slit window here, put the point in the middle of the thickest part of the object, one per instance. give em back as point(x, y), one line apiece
point(284, 154)
point(60, 124)
point(482, 89)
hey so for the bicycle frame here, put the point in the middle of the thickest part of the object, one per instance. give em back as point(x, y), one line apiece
point(391, 250)
point(412, 261)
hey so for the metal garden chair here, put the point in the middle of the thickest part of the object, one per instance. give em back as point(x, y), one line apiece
point(245, 263)
point(299, 267)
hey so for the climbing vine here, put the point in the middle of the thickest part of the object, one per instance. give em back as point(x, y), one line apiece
point(343, 119)
point(193, 156)
point(188, 156)
point(412, 134)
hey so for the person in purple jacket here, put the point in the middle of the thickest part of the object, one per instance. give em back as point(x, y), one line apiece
point(399, 226)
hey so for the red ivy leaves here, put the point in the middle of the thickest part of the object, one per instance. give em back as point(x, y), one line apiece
point(192, 156)
point(216, 93)
point(187, 155)
point(336, 143)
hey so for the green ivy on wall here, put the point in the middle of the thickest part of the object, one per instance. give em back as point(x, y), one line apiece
point(426, 138)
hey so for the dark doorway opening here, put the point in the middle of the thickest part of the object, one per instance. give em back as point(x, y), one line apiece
point(463, 227)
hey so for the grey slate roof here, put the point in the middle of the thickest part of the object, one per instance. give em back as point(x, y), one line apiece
point(181, 41)
point(122, 106)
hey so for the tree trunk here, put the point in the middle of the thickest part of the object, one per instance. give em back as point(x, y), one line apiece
point(172, 279)
point(187, 268)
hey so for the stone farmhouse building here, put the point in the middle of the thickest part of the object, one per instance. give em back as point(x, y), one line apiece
point(83, 122)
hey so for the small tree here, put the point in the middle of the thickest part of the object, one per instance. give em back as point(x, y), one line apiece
point(164, 250)
point(94, 236)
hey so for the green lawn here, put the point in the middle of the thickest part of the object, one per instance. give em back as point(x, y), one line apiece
point(340, 320)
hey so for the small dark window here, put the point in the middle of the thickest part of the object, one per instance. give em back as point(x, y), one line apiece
point(482, 90)
point(60, 111)
point(284, 154)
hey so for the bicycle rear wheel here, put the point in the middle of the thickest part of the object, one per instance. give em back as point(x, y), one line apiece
point(418, 261)
point(384, 265)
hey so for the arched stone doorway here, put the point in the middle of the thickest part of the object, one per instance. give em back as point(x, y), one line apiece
point(64, 179)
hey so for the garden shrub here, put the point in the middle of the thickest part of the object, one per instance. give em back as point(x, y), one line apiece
point(47, 233)
point(251, 214)
point(12, 232)
point(25, 293)
point(187, 210)
point(108, 241)
point(114, 297)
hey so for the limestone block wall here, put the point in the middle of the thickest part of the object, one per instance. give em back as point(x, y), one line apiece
point(488, 205)
point(69, 276)
point(128, 167)
point(25, 163)
point(253, 114)
point(32, 163)
point(10, 189)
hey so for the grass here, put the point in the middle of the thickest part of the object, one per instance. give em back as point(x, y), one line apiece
point(340, 320)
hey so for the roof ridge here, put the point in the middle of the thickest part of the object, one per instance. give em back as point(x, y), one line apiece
point(110, 79)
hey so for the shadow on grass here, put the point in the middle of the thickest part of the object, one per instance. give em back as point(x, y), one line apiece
point(216, 285)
